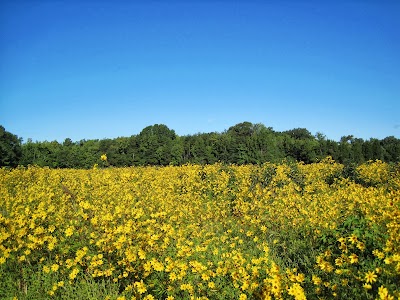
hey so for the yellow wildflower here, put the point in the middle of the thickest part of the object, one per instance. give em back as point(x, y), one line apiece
point(140, 287)
point(297, 292)
point(316, 280)
point(370, 277)
point(353, 258)
point(73, 274)
point(54, 267)
point(367, 286)
point(69, 231)
point(242, 297)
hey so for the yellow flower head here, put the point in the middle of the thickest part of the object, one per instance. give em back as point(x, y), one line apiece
point(353, 258)
point(370, 277)
point(69, 231)
point(242, 297)
point(73, 274)
point(140, 286)
point(367, 286)
point(54, 267)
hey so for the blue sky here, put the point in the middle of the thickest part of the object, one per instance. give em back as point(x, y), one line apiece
point(102, 69)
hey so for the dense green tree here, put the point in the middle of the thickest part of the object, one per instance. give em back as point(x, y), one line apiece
point(242, 143)
point(198, 150)
point(177, 151)
point(373, 150)
point(299, 134)
point(345, 154)
point(66, 156)
point(391, 147)
point(68, 142)
point(28, 150)
point(155, 144)
point(332, 149)
point(225, 147)
point(357, 151)
point(10, 149)
point(241, 130)
point(301, 145)
point(241, 139)
point(117, 150)
point(323, 146)
point(89, 151)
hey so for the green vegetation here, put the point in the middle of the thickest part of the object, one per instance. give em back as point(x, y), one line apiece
point(272, 231)
point(243, 143)
point(10, 148)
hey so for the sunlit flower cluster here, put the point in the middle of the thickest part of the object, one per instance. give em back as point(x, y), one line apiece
point(273, 231)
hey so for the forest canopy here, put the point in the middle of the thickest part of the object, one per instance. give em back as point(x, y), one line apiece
point(243, 143)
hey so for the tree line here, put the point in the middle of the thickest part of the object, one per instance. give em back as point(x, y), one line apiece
point(243, 143)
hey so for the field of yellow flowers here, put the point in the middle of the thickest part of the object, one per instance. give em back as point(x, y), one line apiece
point(274, 231)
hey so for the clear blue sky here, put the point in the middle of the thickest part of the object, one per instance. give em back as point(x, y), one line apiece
point(102, 69)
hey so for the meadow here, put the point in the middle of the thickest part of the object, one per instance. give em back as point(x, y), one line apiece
point(271, 231)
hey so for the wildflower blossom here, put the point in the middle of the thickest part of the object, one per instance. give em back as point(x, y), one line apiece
point(370, 277)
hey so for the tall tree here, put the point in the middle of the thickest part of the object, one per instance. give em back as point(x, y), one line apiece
point(356, 149)
point(391, 146)
point(301, 145)
point(241, 134)
point(155, 144)
point(10, 148)
point(345, 153)
point(158, 145)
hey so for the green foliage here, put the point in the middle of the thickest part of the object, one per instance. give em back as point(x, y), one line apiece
point(155, 145)
point(243, 143)
point(358, 236)
point(274, 214)
point(10, 149)
point(29, 283)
